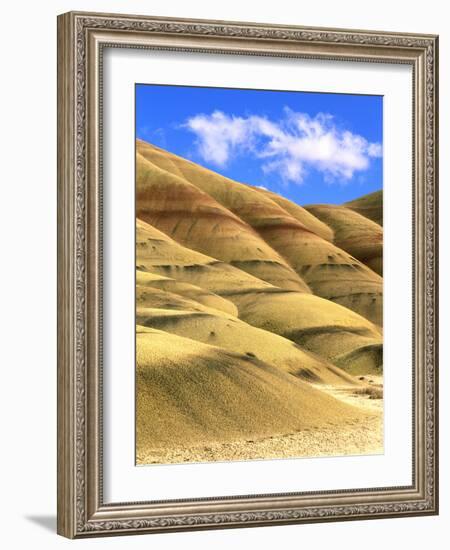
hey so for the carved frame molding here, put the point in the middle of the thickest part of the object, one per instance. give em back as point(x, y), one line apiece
point(81, 39)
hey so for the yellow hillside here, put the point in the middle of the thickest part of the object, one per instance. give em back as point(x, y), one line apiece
point(194, 218)
point(317, 325)
point(161, 311)
point(258, 321)
point(194, 394)
point(293, 237)
point(329, 271)
point(191, 292)
point(354, 233)
point(300, 214)
point(370, 206)
point(297, 316)
point(159, 254)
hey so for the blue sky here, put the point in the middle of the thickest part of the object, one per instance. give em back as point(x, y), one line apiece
point(309, 147)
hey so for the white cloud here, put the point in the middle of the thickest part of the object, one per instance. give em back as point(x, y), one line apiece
point(288, 146)
point(218, 135)
point(375, 150)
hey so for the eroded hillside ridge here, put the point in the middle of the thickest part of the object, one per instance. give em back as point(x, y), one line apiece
point(287, 246)
point(248, 307)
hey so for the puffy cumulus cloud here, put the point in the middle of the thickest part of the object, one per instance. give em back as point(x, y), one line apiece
point(219, 135)
point(288, 146)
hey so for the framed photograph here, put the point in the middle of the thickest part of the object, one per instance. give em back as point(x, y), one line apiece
point(247, 288)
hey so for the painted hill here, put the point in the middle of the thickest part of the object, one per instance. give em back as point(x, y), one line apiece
point(354, 233)
point(301, 214)
point(159, 254)
point(251, 231)
point(202, 394)
point(169, 313)
point(186, 213)
point(253, 313)
point(370, 206)
point(305, 319)
point(194, 294)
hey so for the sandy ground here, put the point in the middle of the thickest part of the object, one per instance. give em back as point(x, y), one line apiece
point(355, 438)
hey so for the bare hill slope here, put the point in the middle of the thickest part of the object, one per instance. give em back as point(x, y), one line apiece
point(192, 393)
point(295, 315)
point(370, 206)
point(354, 233)
point(195, 219)
point(255, 319)
point(252, 230)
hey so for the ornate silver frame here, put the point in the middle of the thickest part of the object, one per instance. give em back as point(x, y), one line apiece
point(81, 39)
